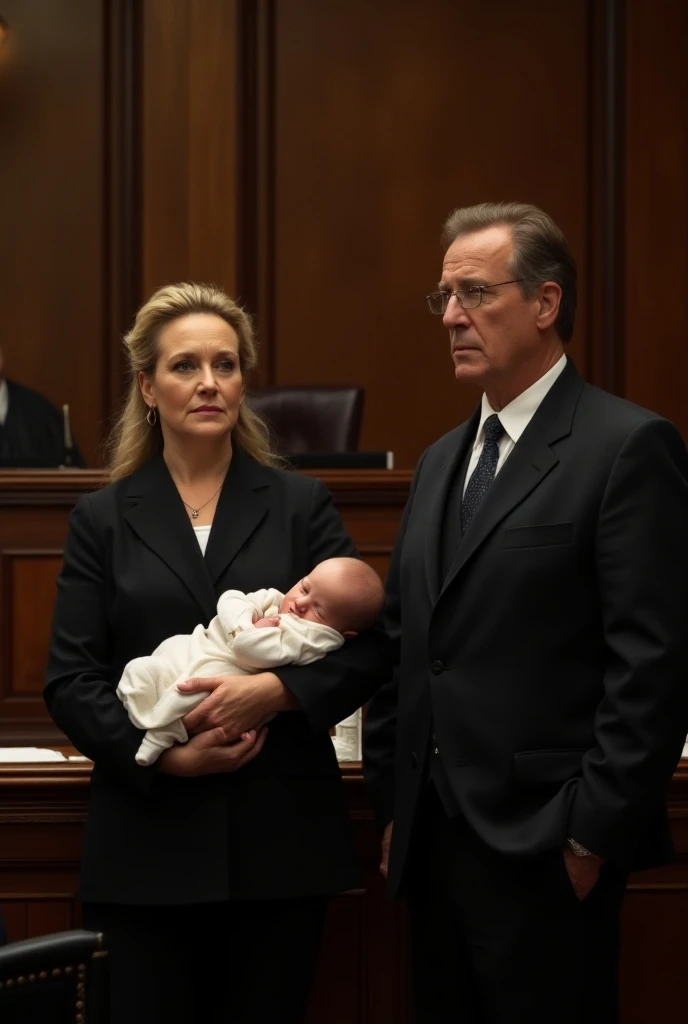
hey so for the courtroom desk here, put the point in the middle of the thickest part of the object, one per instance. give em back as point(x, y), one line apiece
point(363, 974)
point(34, 508)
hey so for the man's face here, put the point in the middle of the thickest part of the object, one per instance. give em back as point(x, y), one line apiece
point(492, 343)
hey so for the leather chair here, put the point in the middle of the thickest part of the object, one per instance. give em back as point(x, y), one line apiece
point(54, 979)
point(311, 419)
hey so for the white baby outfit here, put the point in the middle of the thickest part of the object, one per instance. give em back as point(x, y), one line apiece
point(230, 645)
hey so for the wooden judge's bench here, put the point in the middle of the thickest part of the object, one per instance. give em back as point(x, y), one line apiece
point(364, 972)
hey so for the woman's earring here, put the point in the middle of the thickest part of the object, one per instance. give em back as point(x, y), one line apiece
point(152, 416)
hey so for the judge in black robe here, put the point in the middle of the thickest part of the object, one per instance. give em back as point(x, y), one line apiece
point(32, 435)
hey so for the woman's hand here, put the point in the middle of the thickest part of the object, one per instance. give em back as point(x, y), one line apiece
point(209, 753)
point(236, 703)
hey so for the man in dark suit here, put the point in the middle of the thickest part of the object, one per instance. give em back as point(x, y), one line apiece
point(32, 430)
point(520, 755)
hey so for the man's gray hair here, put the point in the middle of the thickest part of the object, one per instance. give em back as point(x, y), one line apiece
point(541, 252)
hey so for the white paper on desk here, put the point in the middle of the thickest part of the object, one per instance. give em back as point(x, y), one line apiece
point(29, 754)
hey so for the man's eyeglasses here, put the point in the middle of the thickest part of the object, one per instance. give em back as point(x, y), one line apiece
point(468, 297)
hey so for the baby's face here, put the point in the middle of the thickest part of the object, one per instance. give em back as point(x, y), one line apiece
point(318, 597)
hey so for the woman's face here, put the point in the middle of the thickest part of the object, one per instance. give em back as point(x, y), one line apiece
point(197, 388)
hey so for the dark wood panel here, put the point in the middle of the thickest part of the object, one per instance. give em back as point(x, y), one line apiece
point(189, 142)
point(59, 170)
point(304, 155)
point(653, 953)
point(14, 913)
point(382, 124)
point(656, 253)
point(52, 156)
point(338, 997)
point(45, 916)
point(31, 598)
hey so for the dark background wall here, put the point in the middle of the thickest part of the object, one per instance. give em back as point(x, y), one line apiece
point(303, 155)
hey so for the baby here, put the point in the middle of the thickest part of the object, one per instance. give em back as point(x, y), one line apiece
point(250, 633)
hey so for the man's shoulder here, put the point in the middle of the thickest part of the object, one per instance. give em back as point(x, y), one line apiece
point(610, 414)
point(596, 399)
point(447, 443)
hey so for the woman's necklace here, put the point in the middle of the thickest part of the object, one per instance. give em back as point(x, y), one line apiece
point(195, 511)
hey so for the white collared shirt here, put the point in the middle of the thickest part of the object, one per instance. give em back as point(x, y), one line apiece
point(514, 417)
point(4, 401)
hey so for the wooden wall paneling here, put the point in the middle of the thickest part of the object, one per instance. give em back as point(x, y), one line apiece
point(164, 143)
point(42, 811)
point(123, 199)
point(62, 143)
point(656, 251)
point(31, 913)
point(304, 155)
point(339, 990)
point(387, 966)
point(602, 288)
point(364, 971)
point(52, 152)
point(256, 176)
point(653, 919)
point(44, 916)
point(653, 971)
point(382, 124)
point(27, 595)
point(189, 81)
point(34, 508)
point(32, 576)
point(14, 914)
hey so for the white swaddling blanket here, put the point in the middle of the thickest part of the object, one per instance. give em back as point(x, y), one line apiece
point(230, 645)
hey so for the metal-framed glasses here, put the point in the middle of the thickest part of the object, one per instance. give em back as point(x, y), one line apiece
point(469, 297)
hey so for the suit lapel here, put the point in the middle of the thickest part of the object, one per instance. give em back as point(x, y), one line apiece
point(437, 497)
point(530, 462)
point(242, 505)
point(157, 515)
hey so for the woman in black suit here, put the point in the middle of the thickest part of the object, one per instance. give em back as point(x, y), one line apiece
point(208, 871)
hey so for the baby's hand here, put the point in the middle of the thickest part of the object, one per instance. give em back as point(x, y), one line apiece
point(261, 623)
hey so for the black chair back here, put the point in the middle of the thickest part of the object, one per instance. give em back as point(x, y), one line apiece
point(311, 419)
point(54, 979)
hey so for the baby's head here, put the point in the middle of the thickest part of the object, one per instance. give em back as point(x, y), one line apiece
point(343, 593)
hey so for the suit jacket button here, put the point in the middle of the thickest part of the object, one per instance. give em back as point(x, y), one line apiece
point(437, 667)
point(414, 761)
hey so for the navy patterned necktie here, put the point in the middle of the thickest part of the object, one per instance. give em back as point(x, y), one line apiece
point(484, 473)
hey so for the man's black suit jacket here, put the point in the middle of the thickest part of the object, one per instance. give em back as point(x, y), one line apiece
point(134, 574)
point(552, 662)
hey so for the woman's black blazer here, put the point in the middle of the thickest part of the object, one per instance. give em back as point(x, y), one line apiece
point(134, 574)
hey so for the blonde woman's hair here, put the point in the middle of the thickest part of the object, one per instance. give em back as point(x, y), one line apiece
point(133, 441)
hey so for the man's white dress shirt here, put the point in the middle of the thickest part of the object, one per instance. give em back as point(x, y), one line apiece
point(514, 417)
